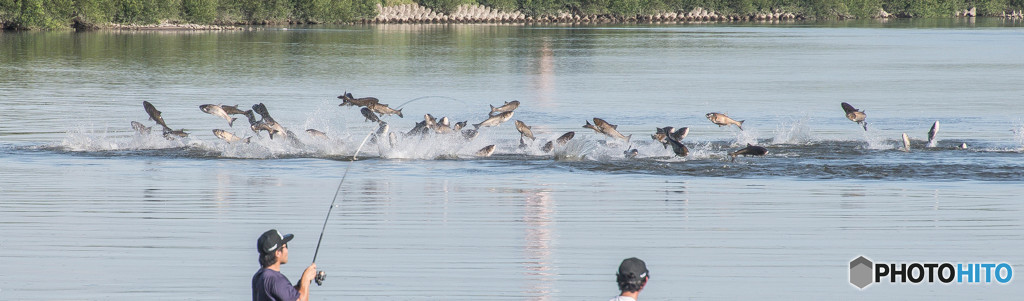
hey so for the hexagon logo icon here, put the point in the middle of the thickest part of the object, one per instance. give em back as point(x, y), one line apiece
point(860, 272)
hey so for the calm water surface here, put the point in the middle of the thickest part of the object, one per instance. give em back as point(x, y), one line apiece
point(93, 210)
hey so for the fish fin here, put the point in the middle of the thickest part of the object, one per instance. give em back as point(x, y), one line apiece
point(848, 108)
point(232, 122)
point(247, 140)
point(749, 145)
point(865, 124)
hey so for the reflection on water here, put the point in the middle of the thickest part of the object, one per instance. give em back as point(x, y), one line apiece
point(91, 210)
point(545, 81)
point(539, 208)
point(400, 232)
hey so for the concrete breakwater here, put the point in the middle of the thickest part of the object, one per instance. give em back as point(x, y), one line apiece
point(475, 13)
point(1017, 14)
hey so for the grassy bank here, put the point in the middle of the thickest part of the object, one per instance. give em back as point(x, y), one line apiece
point(57, 14)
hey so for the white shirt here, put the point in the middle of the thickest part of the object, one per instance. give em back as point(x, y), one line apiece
point(622, 298)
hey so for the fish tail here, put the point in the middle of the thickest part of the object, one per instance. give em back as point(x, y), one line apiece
point(740, 124)
point(400, 113)
point(477, 125)
point(231, 122)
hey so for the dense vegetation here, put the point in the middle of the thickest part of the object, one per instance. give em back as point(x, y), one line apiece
point(30, 14)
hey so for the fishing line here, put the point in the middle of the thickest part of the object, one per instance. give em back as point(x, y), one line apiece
point(321, 275)
point(425, 97)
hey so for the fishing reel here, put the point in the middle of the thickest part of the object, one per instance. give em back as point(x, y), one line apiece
point(320, 276)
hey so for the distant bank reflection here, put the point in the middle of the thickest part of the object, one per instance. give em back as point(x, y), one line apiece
point(538, 249)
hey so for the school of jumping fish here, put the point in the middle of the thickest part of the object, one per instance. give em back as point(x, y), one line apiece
point(373, 111)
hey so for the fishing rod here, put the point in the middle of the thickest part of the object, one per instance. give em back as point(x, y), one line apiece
point(321, 274)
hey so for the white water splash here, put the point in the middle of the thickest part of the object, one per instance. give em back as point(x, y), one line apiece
point(82, 139)
point(792, 132)
point(876, 142)
point(707, 150)
point(744, 137)
point(1018, 136)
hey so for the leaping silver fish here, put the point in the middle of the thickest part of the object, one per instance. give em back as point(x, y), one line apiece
point(509, 106)
point(369, 115)
point(154, 114)
point(486, 151)
point(229, 137)
point(932, 133)
point(723, 120)
point(141, 128)
point(855, 115)
point(524, 130)
point(216, 110)
point(494, 120)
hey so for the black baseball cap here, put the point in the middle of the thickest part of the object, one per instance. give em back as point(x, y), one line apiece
point(271, 240)
point(632, 269)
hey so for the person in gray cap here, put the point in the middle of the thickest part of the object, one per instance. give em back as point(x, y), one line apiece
point(269, 284)
point(632, 277)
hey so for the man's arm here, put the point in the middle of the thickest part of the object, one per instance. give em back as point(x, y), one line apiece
point(305, 281)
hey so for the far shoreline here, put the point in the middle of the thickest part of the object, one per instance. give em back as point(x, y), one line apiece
point(480, 14)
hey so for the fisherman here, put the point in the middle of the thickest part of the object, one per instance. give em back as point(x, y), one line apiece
point(269, 284)
point(632, 277)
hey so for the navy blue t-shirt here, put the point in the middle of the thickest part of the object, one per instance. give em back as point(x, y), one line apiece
point(271, 285)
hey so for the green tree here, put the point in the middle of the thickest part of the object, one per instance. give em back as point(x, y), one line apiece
point(199, 11)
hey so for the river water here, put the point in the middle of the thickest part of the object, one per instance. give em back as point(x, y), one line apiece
point(91, 209)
